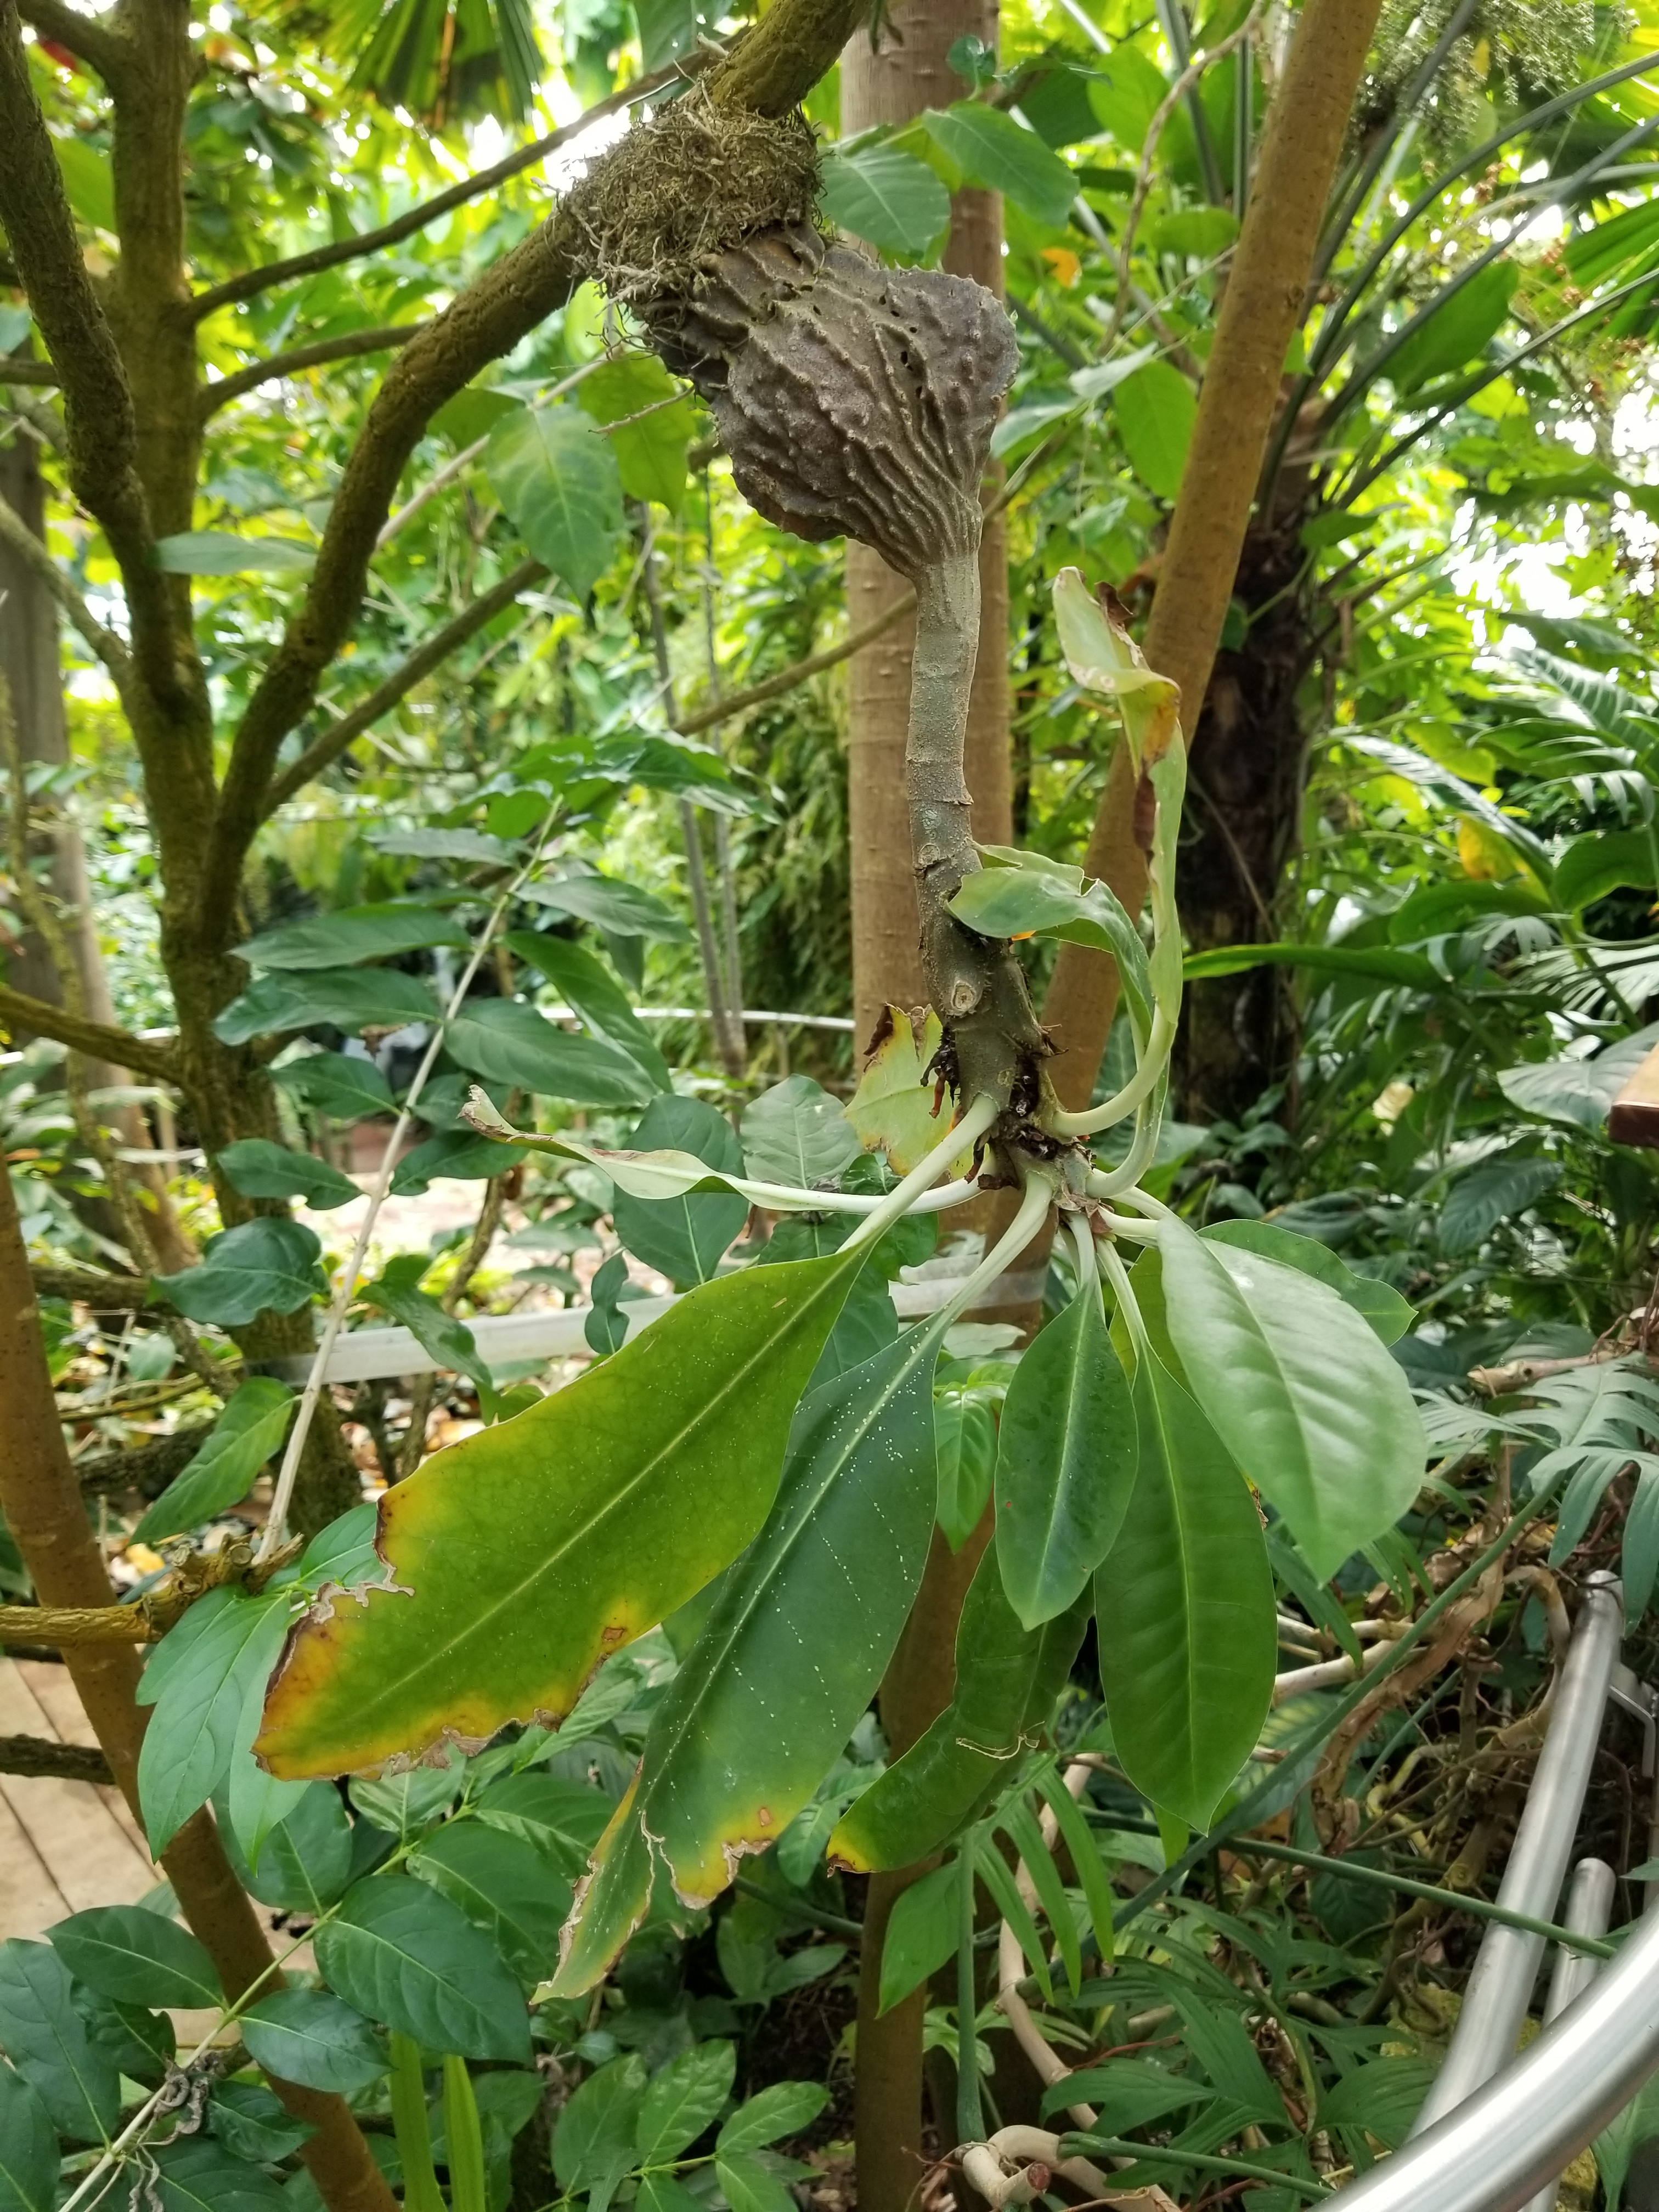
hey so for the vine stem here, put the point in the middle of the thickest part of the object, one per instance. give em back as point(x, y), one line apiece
point(962, 1136)
point(346, 1289)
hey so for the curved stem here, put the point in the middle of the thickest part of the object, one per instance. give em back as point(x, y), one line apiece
point(962, 1137)
point(1038, 1197)
point(1160, 1045)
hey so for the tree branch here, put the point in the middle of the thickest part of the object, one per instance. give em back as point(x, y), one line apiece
point(254, 281)
point(97, 1039)
point(227, 388)
point(65, 1762)
point(27, 371)
point(21, 541)
point(90, 1286)
point(94, 41)
point(773, 687)
point(334, 740)
point(100, 427)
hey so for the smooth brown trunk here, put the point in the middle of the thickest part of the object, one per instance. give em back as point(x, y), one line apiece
point(42, 1505)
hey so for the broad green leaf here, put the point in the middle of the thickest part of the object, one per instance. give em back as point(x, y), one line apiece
point(305, 1863)
point(1198, 232)
point(506, 1887)
point(248, 1433)
point(796, 1132)
point(1602, 861)
point(126, 1953)
point(688, 2096)
point(261, 1168)
point(559, 482)
point(783, 2110)
point(775, 1683)
point(1089, 1872)
point(1382, 2099)
point(506, 1041)
point(1496, 1191)
point(89, 184)
point(1299, 1390)
point(456, 1154)
point(46, 2040)
point(1066, 1461)
point(886, 196)
point(622, 909)
point(1385, 1310)
point(1007, 1679)
point(400, 1952)
point(412, 1798)
point(668, 28)
point(342, 1552)
point(592, 992)
point(1579, 1091)
point(966, 1438)
point(749, 2187)
point(1156, 411)
point(684, 1238)
point(253, 2124)
point(596, 2129)
point(451, 1342)
point(353, 933)
point(349, 999)
point(1185, 1604)
point(922, 1932)
point(218, 553)
point(471, 845)
point(526, 1554)
point(1468, 317)
point(563, 1819)
point(1129, 2093)
point(313, 2036)
point(650, 452)
point(993, 150)
point(267, 1266)
point(197, 1724)
point(1126, 91)
point(337, 1084)
point(1022, 895)
point(1616, 2146)
point(28, 2147)
point(252, 1803)
point(142, 2043)
point(1377, 964)
point(199, 2175)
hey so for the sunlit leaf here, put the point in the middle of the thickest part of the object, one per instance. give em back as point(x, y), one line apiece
point(558, 479)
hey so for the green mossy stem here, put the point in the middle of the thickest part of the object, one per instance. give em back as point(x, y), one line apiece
point(976, 986)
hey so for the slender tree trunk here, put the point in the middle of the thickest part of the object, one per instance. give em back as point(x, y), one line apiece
point(907, 74)
point(42, 1505)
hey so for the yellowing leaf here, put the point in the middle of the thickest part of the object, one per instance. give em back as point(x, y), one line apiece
point(893, 1110)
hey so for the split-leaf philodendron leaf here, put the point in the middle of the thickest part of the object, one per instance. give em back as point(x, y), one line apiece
point(525, 1555)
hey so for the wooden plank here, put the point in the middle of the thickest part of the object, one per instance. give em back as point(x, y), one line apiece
point(30, 1900)
point(89, 1855)
point(1634, 1119)
point(53, 1690)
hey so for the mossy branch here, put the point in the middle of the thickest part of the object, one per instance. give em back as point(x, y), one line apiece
point(95, 43)
point(227, 388)
point(19, 1011)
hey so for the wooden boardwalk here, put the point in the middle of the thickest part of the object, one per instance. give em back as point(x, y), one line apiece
point(63, 1845)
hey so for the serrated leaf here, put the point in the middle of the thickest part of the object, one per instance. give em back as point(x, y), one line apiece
point(512, 1588)
point(267, 1266)
point(315, 2037)
point(560, 483)
point(400, 1952)
point(248, 1433)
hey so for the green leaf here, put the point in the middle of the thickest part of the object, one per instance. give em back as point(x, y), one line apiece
point(1578, 1091)
point(411, 1799)
point(922, 1933)
point(217, 553)
point(1129, 2094)
point(1375, 963)
point(312, 2037)
point(749, 2187)
point(196, 1725)
point(688, 2096)
point(450, 1341)
point(563, 1819)
point(1066, 1461)
point(993, 151)
point(1298, 1389)
point(650, 453)
point(1185, 1603)
point(886, 196)
point(1496, 1192)
point(337, 1084)
point(28, 2147)
point(137, 1957)
point(783, 2110)
point(353, 933)
point(46, 2040)
point(623, 909)
point(559, 482)
point(512, 1587)
point(1616, 2146)
point(196, 2176)
point(1603, 861)
point(965, 1436)
point(684, 1238)
point(595, 2129)
point(1156, 411)
point(304, 1862)
point(349, 998)
point(1385, 1311)
point(259, 1168)
point(506, 1041)
point(1469, 316)
point(1382, 2099)
point(504, 1886)
point(776, 1681)
point(143, 2043)
point(1198, 233)
point(265, 1267)
point(588, 988)
point(400, 1952)
point(796, 1132)
point(1007, 1679)
point(89, 183)
point(248, 1433)
point(253, 2124)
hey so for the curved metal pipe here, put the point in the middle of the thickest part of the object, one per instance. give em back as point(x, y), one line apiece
point(1589, 1909)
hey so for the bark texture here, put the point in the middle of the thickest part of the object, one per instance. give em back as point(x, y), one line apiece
point(41, 1502)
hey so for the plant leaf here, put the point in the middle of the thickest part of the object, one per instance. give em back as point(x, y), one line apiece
point(560, 483)
point(199, 1706)
point(885, 196)
point(248, 1433)
point(193, 2175)
point(337, 1084)
point(510, 1586)
point(688, 2096)
point(796, 1132)
point(137, 1957)
point(893, 1110)
point(592, 992)
point(315, 2037)
point(353, 933)
point(1388, 1314)
point(261, 1168)
point(28, 2147)
point(349, 999)
point(685, 1237)
point(400, 1952)
point(1494, 1192)
point(267, 1266)
point(993, 150)
point(47, 2041)
point(450, 1341)
point(1156, 413)
point(506, 1041)
point(650, 454)
point(504, 1886)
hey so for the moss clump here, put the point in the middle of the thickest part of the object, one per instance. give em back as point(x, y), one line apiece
point(655, 213)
